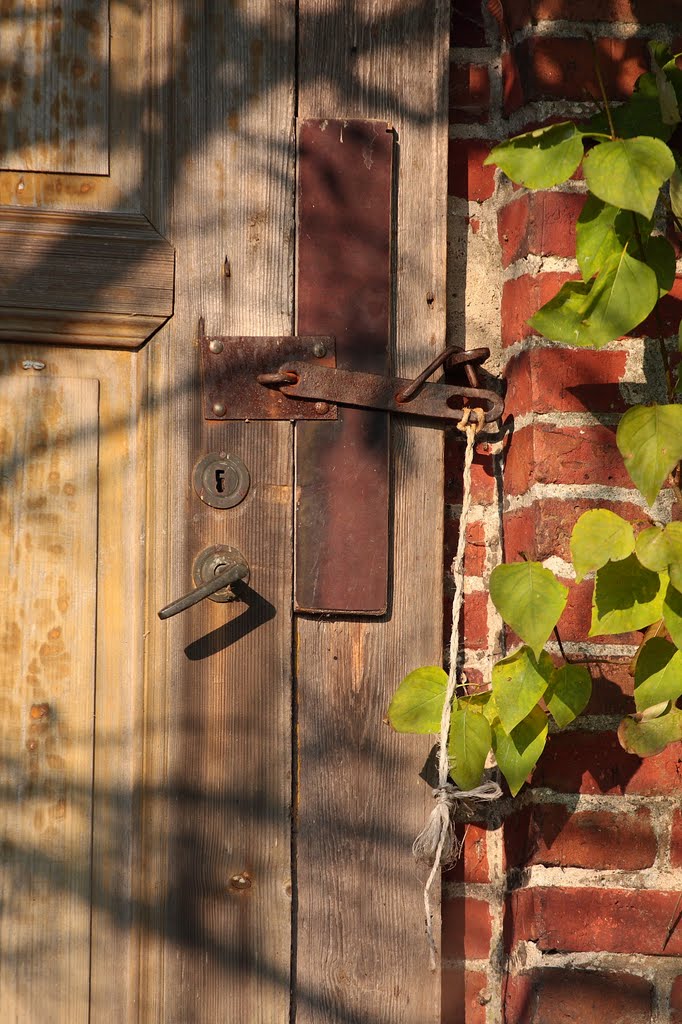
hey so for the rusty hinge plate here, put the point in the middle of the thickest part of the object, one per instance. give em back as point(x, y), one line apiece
point(230, 367)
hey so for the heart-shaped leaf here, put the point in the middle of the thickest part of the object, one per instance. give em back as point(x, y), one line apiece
point(590, 314)
point(649, 438)
point(660, 256)
point(658, 673)
point(519, 681)
point(568, 693)
point(647, 737)
point(518, 753)
point(468, 745)
point(626, 596)
point(595, 237)
point(598, 537)
point(530, 600)
point(417, 704)
point(629, 173)
point(541, 158)
point(672, 614)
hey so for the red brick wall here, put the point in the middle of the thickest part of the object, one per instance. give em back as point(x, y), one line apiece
point(559, 909)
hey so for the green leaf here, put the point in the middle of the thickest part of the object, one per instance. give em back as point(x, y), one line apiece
point(595, 238)
point(468, 745)
point(598, 537)
point(658, 673)
point(639, 115)
point(660, 256)
point(649, 438)
point(519, 680)
point(645, 738)
point(593, 313)
point(652, 549)
point(530, 599)
point(673, 534)
point(626, 596)
point(541, 158)
point(417, 704)
point(568, 693)
point(676, 193)
point(660, 56)
point(629, 173)
point(518, 753)
point(672, 614)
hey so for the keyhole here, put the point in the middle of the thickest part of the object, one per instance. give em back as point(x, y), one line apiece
point(220, 481)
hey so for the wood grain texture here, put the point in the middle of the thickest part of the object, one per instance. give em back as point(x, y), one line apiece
point(48, 555)
point(111, 439)
point(217, 798)
point(54, 86)
point(67, 277)
point(362, 954)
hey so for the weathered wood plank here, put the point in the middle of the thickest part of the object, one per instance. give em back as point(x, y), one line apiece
point(48, 555)
point(54, 86)
point(218, 754)
point(66, 277)
point(361, 950)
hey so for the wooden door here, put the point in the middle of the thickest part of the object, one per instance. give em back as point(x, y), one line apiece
point(205, 819)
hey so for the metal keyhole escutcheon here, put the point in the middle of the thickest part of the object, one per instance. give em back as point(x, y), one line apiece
point(221, 480)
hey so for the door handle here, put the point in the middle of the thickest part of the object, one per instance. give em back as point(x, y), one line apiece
point(213, 572)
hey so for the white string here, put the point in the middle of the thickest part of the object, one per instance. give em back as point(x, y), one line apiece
point(436, 843)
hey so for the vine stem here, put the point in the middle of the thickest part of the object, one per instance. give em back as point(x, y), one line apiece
point(600, 79)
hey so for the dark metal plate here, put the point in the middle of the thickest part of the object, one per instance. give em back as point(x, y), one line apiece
point(230, 366)
point(344, 289)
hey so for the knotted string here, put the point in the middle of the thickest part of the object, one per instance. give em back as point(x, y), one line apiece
point(437, 844)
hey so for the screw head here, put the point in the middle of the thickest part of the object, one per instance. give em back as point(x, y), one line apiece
point(219, 408)
point(215, 345)
point(319, 349)
point(321, 407)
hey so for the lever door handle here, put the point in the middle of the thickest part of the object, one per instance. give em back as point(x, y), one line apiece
point(214, 570)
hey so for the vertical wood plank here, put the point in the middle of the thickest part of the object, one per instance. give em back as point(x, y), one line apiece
point(48, 554)
point(217, 795)
point(361, 948)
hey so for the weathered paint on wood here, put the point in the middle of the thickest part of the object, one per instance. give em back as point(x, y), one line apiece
point(82, 278)
point(48, 558)
point(219, 676)
point(54, 86)
point(361, 948)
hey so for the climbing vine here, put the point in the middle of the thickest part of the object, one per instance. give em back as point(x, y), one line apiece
point(632, 171)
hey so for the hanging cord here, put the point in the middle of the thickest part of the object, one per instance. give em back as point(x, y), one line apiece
point(437, 844)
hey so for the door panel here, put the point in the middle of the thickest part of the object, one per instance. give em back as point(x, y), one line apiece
point(181, 910)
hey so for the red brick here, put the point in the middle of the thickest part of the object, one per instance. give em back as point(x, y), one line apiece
point(547, 380)
point(474, 622)
point(666, 317)
point(474, 558)
point(467, 27)
point(469, 93)
point(512, 89)
point(612, 688)
point(594, 920)
point(540, 223)
point(466, 928)
point(676, 1001)
point(544, 528)
point(482, 473)
point(464, 995)
point(595, 762)
point(467, 177)
point(564, 68)
point(646, 12)
point(564, 455)
point(522, 297)
point(557, 837)
point(558, 996)
point(472, 865)
point(676, 842)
